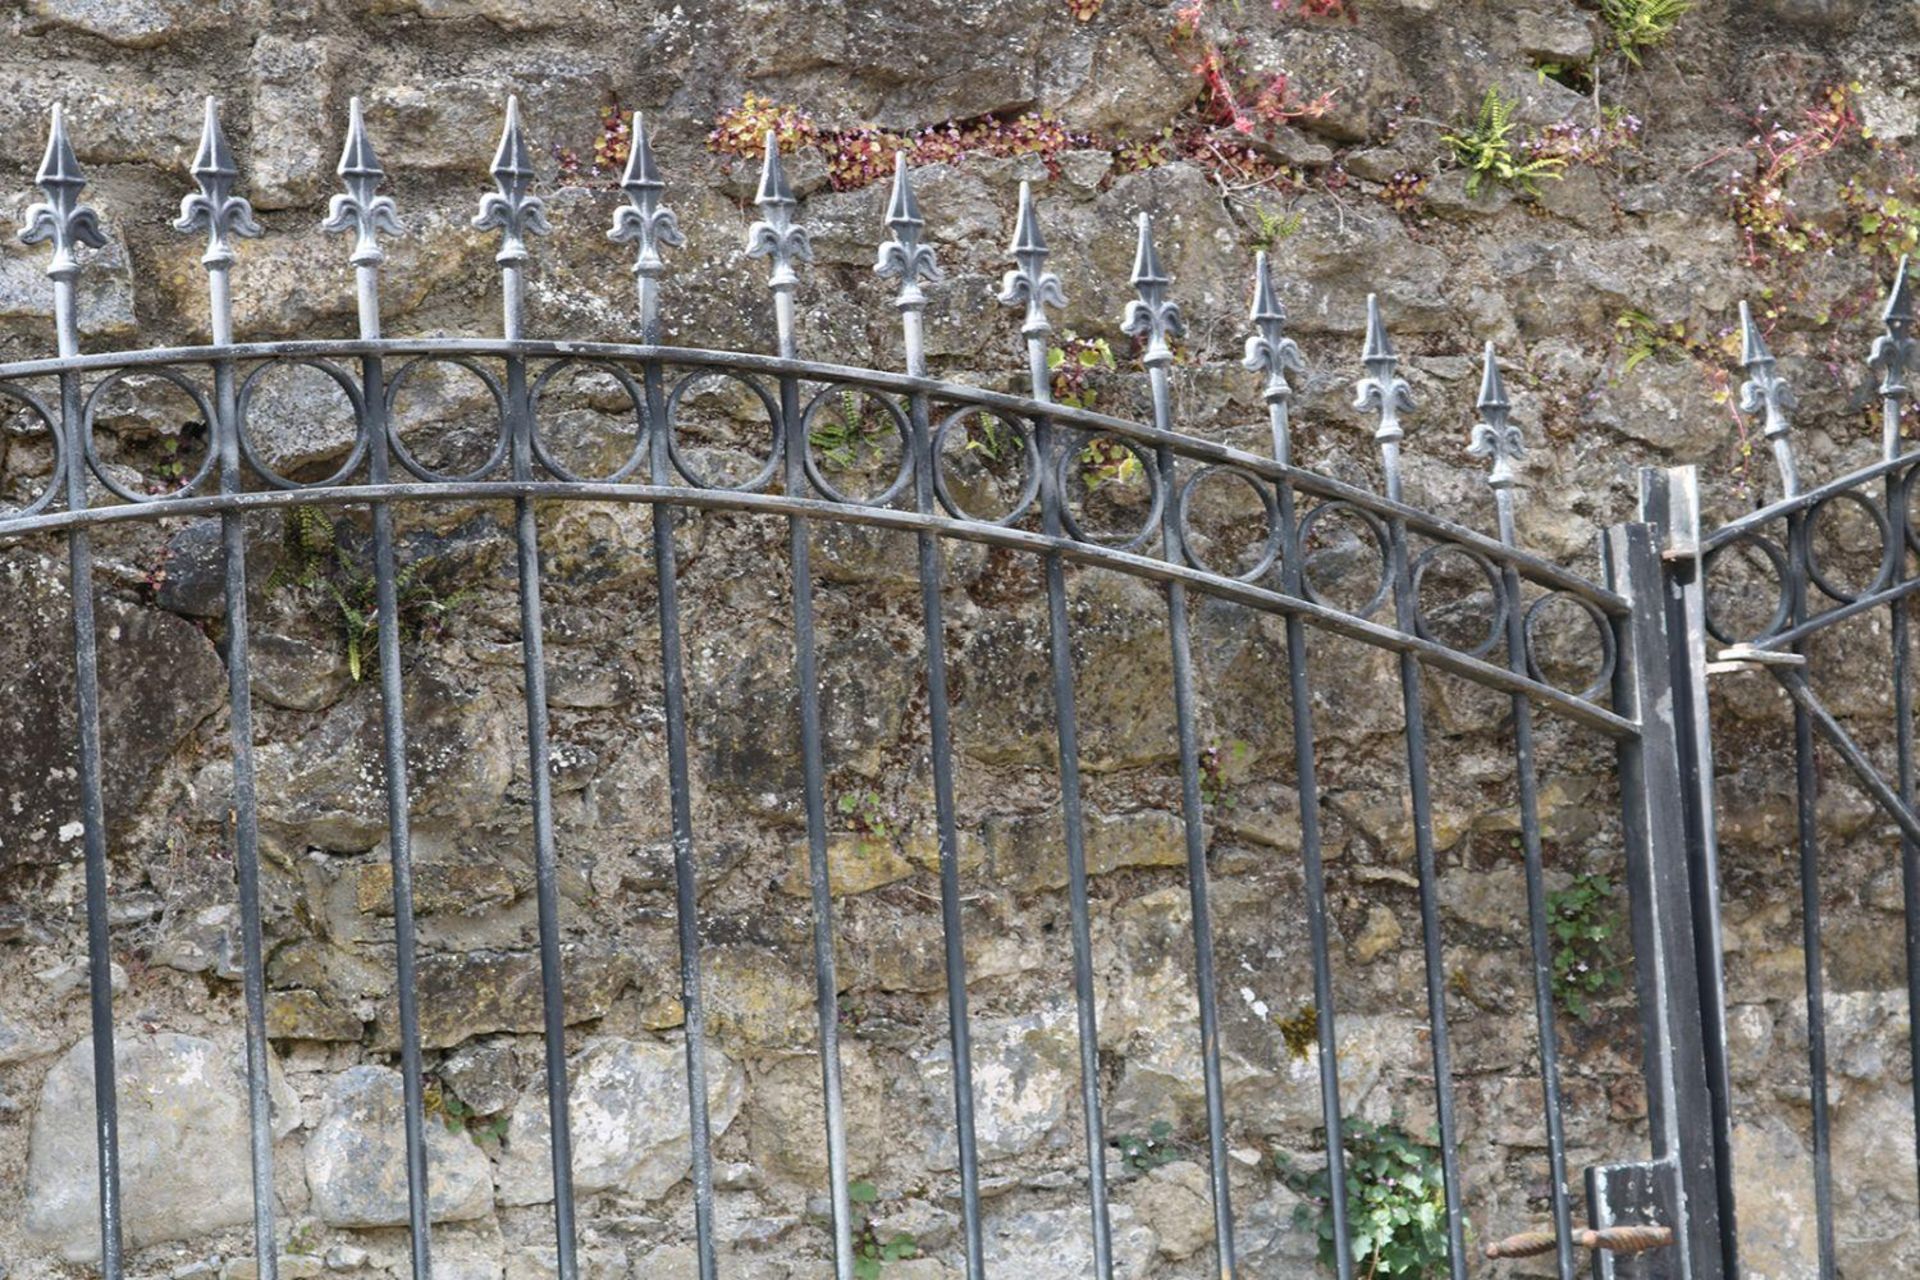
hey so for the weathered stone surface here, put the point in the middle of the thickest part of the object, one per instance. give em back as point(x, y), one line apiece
point(1176, 1202)
point(628, 1102)
point(357, 1165)
point(183, 1142)
point(1030, 853)
point(757, 997)
point(1057, 1244)
point(1025, 1071)
point(138, 24)
point(159, 680)
point(19, 1042)
point(856, 863)
point(311, 1015)
point(473, 994)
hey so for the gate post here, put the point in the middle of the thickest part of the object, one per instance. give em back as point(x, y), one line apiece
point(1670, 503)
point(1654, 802)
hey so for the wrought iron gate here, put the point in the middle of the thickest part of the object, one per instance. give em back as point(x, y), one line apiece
point(1669, 1211)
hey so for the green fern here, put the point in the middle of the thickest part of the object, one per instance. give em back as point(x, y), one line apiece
point(1642, 24)
point(1487, 149)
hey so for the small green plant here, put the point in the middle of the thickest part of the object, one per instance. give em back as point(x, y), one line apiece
point(1216, 762)
point(1145, 1153)
point(1584, 925)
point(315, 566)
point(1642, 24)
point(866, 813)
point(1301, 1032)
point(1396, 1202)
point(1488, 149)
point(1271, 228)
point(1643, 338)
point(870, 1252)
point(853, 437)
point(1073, 363)
point(1104, 462)
point(439, 1100)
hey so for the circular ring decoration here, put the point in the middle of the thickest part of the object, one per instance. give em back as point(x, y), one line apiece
point(1381, 540)
point(1881, 575)
point(900, 427)
point(635, 396)
point(244, 401)
point(1270, 510)
point(1030, 451)
point(1775, 557)
point(754, 483)
point(1148, 469)
point(413, 464)
point(1609, 652)
point(199, 399)
point(1496, 624)
point(34, 405)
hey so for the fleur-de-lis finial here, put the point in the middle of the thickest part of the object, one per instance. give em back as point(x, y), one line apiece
point(1767, 393)
point(61, 217)
point(776, 236)
point(1152, 315)
point(214, 208)
point(1380, 391)
point(1030, 282)
point(358, 209)
point(1893, 351)
point(904, 256)
point(1269, 350)
point(644, 221)
point(514, 209)
point(1494, 436)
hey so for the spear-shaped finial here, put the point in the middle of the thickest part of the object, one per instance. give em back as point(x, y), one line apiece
point(61, 217)
point(1383, 392)
point(1030, 283)
point(1269, 350)
point(776, 236)
point(1892, 354)
point(1494, 437)
point(1152, 315)
point(1766, 392)
point(513, 208)
point(904, 256)
point(644, 222)
point(214, 208)
point(358, 209)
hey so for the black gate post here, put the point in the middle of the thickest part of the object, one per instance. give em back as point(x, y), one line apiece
point(1670, 503)
point(1654, 801)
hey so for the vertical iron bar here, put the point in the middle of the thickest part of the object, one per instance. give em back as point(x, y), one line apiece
point(246, 827)
point(1060, 655)
point(86, 673)
point(1670, 502)
point(1806, 788)
point(1528, 782)
point(1653, 826)
point(1414, 706)
point(526, 530)
point(940, 746)
point(673, 682)
point(393, 744)
point(813, 782)
point(1192, 816)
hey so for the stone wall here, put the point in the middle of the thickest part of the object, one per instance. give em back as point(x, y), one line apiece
point(1635, 251)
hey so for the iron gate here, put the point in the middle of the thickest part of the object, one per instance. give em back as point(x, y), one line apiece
point(1670, 1212)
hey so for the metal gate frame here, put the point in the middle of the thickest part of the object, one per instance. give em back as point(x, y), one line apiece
point(1665, 1216)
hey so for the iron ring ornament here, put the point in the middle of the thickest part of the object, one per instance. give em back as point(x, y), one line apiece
point(502, 442)
point(1884, 570)
point(1496, 588)
point(1603, 628)
point(243, 409)
point(1072, 455)
point(34, 405)
point(1776, 559)
point(960, 419)
point(1383, 543)
point(636, 398)
point(896, 417)
point(1269, 545)
point(1910, 527)
point(179, 380)
point(775, 453)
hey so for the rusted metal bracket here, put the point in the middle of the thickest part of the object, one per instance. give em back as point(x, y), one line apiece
point(1532, 1244)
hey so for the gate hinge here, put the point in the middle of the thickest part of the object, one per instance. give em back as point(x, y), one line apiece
point(1747, 657)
